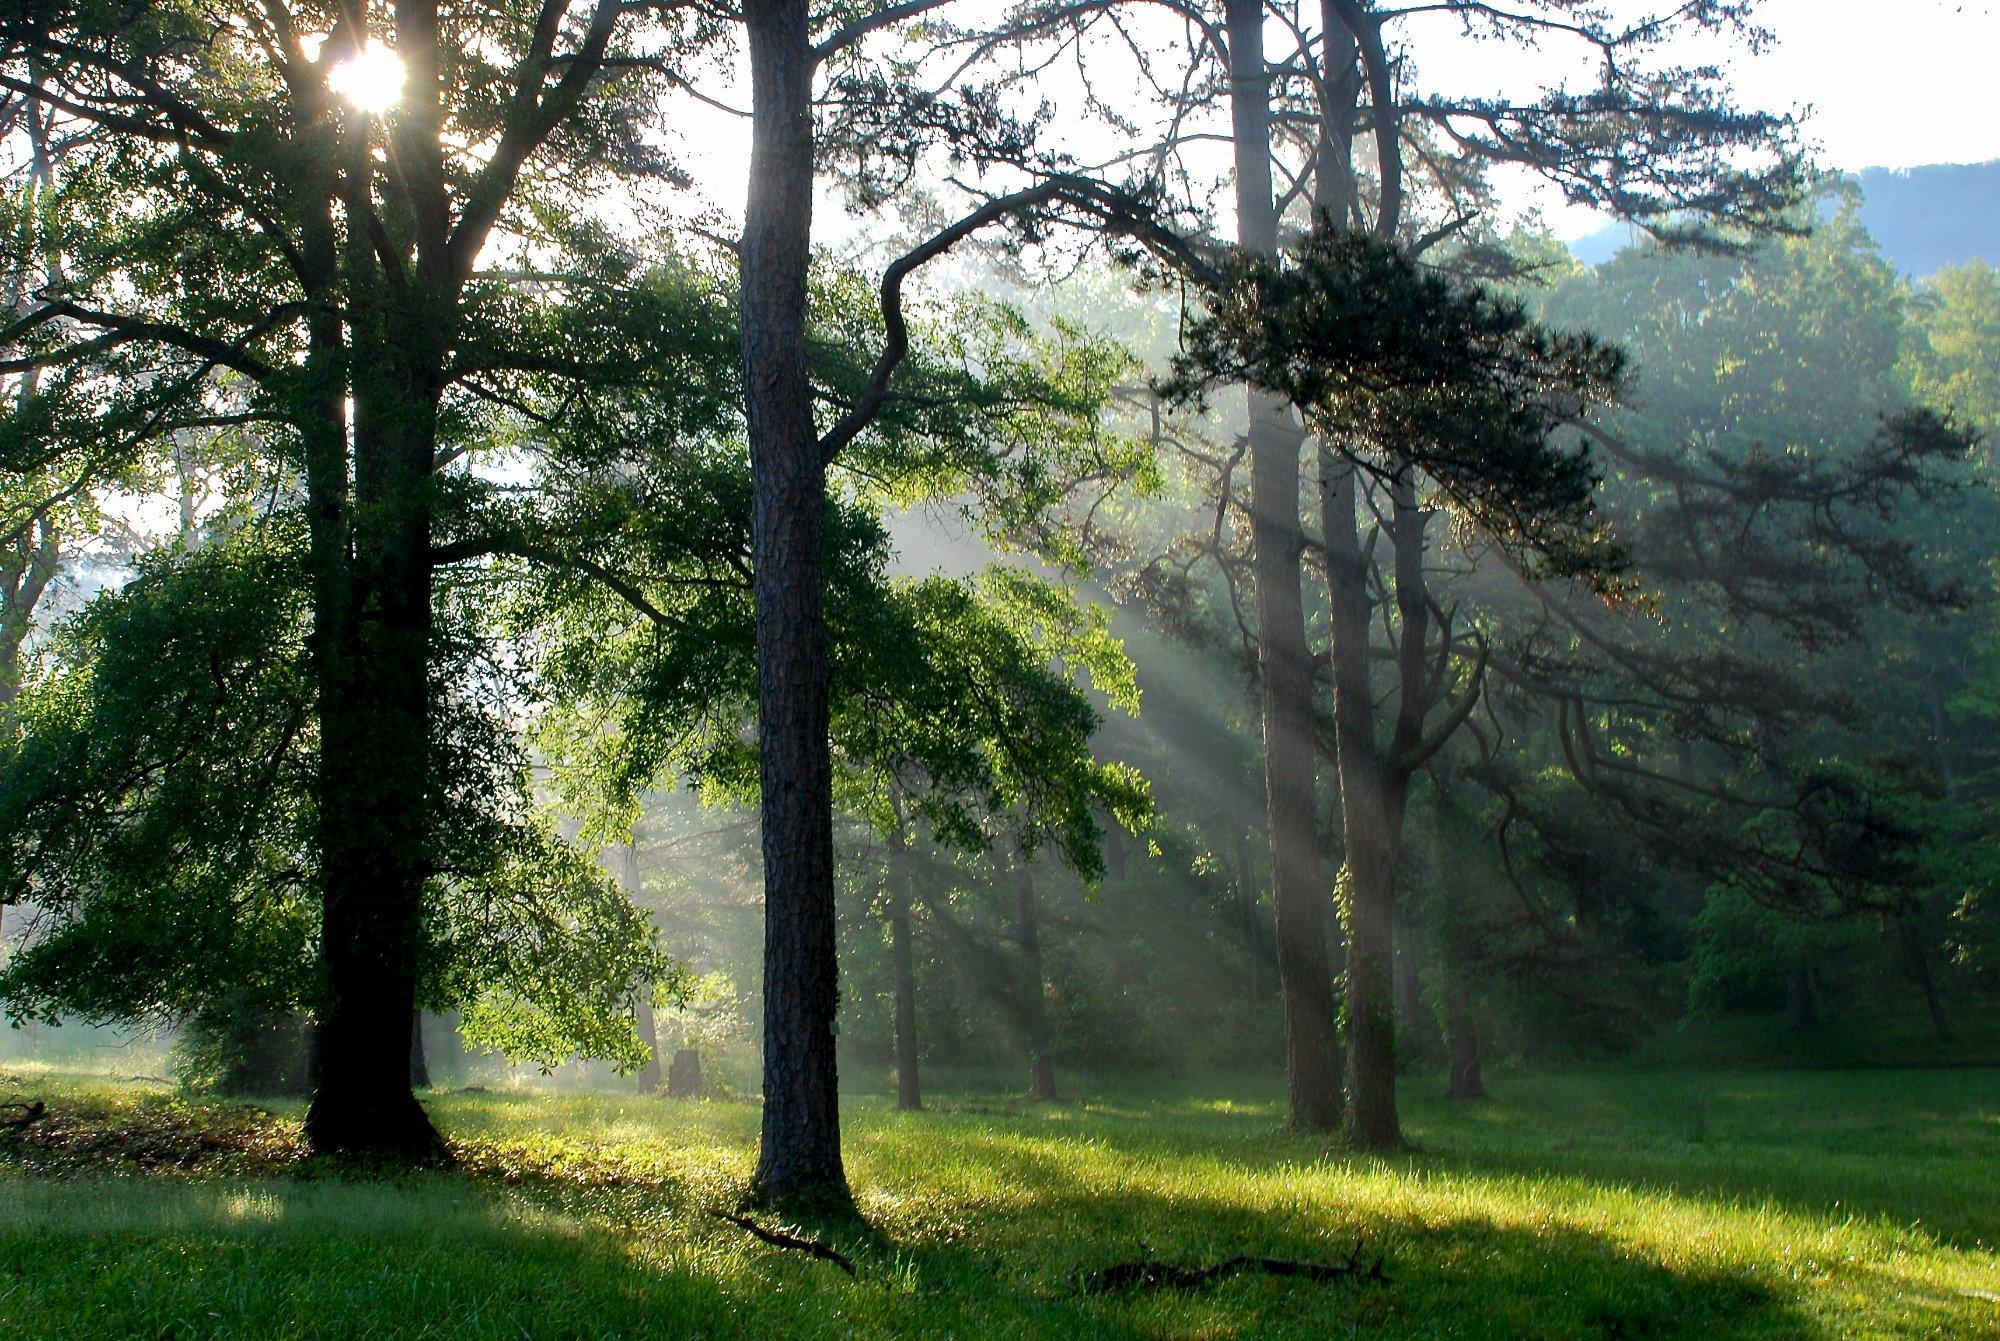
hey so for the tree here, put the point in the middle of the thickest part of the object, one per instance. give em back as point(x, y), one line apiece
point(909, 1079)
point(1786, 505)
point(159, 806)
point(885, 119)
point(334, 270)
point(1660, 145)
point(1958, 330)
point(1414, 375)
point(1284, 661)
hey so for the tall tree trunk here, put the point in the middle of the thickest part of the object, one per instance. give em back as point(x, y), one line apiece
point(26, 571)
point(1246, 897)
point(627, 874)
point(909, 1083)
point(1284, 662)
point(649, 1039)
point(420, 1067)
point(1374, 782)
point(1917, 964)
point(1461, 1027)
point(375, 762)
point(1801, 1015)
point(370, 644)
point(1034, 984)
point(24, 578)
point(25, 575)
point(798, 1159)
point(372, 636)
point(1371, 793)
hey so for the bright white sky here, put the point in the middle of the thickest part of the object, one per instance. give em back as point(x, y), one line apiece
point(1884, 85)
point(1892, 86)
point(1898, 85)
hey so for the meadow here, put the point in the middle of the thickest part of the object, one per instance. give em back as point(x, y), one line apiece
point(1594, 1204)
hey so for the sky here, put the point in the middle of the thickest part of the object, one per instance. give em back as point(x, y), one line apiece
point(1894, 85)
point(1897, 85)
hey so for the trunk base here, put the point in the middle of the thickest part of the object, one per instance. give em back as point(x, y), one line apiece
point(684, 1076)
point(810, 1200)
point(1377, 1132)
point(1465, 1082)
point(392, 1131)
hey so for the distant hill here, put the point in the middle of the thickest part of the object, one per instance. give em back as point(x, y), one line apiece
point(1925, 218)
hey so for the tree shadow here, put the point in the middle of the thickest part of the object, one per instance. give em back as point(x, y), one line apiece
point(1930, 1172)
point(1462, 1276)
point(976, 1226)
point(457, 1256)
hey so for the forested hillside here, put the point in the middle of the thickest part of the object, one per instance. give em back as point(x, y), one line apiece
point(1924, 219)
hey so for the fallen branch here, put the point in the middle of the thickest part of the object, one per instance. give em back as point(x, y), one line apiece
point(1148, 1274)
point(777, 1238)
point(30, 1114)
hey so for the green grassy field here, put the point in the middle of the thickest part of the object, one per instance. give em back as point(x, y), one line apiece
point(1721, 1204)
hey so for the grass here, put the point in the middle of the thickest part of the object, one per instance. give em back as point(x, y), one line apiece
point(1717, 1204)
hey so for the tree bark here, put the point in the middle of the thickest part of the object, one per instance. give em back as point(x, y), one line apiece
point(1034, 985)
point(1801, 1015)
point(798, 1160)
point(649, 1039)
point(27, 571)
point(909, 1083)
point(1372, 793)
point(1284, 662)
point(375, 760)
point(420, 1068)
point(25, 575)
point(1918, 964)
point(1461, 1028)
point(372, 656)
point(684, 1076)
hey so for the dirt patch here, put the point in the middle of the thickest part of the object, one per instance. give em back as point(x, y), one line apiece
point(164, 1135)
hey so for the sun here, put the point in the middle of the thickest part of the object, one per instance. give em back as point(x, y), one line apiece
point(371, 79)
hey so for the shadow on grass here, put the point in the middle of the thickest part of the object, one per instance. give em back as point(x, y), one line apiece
point(988, 1237)
point(590, 1218)
point(453, 1256)
point(1820, 1146)
point(1814, 1148)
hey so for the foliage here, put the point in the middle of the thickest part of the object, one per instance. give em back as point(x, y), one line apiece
point(1956, 346)
point(235, 1045)
point(628, 569)
point(155, 808)
point(158, 813)
point(1405, 369)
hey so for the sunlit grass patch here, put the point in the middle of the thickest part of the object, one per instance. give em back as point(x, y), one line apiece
point(1570, 1207)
